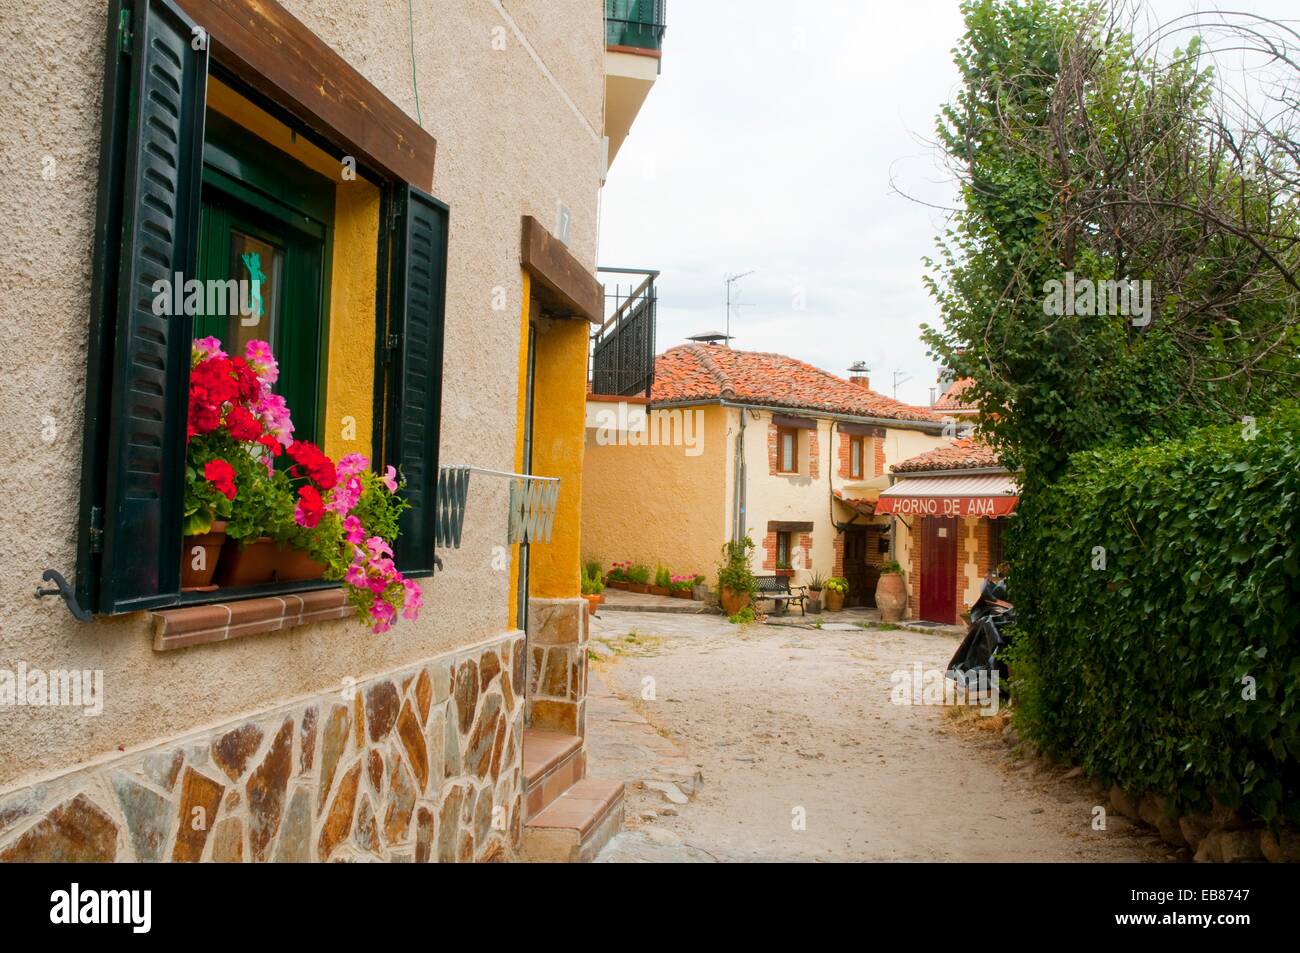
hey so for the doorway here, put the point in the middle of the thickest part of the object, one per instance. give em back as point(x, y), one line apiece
point(939, 569)
point(855, 567)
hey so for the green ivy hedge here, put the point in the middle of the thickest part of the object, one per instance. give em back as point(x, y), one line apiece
point(1141, 670)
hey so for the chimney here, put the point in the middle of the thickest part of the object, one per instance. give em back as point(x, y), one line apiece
point(858, 374)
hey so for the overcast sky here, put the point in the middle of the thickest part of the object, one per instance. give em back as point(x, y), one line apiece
point(776, 139)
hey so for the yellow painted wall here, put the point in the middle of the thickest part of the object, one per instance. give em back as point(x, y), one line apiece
point(657, 504)
point(350, 368)
point(559, 406)
point(521, 406)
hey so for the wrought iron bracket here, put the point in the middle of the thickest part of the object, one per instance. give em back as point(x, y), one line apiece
point(61, 588)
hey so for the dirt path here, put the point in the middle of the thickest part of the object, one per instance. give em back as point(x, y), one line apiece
point(786, 724)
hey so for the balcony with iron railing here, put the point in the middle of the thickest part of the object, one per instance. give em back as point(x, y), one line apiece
point(635, 23)
point(623, 348)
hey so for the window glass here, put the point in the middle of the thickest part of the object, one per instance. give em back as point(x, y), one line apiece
point(855, 457)
point(788, 443)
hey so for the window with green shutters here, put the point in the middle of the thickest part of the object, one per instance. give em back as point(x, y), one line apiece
point(182, 193)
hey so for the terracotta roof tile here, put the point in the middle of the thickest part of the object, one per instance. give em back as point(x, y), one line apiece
point(951, 399)
point(968, 454)
point(708, 372)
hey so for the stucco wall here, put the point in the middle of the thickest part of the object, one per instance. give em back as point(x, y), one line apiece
point(657, 504)
point(804, 498)
point(509, 143)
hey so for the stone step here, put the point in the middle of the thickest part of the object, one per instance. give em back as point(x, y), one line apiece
point(553, 762)
point(574, 828)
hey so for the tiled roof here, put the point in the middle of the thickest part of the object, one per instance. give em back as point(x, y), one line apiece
point(951, 399)
point(967, 454)
point(706, 372)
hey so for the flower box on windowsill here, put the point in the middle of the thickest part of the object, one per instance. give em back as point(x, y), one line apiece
point(787, 573)
point(261, 561)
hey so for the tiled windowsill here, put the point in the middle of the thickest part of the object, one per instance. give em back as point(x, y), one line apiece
point(198, 625)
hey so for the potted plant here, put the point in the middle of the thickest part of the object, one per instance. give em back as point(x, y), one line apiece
point(638, 579)
point(617, 576)
point(699, 588)
point(592, 588)
point(891, 592)
point(834, 590)
point(680, 587)
point(783, 568)
point(815, 586)
point(338, 523)
point(663, 583)
point(736, 583)
point(236, 428)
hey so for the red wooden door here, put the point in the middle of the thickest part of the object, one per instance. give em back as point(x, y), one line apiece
point(939, 569)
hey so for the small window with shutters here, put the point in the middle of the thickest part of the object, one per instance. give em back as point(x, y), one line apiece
point(203, 175)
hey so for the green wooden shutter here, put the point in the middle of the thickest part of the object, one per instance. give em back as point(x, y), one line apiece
point(415, 391)
point(139, 362)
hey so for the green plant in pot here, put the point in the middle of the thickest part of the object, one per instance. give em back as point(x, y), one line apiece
point(663, 583)
point(833, 592)
point(592, 587)
point(638, 578)
point(736, 583)
point(891, 592)
point(815, 586)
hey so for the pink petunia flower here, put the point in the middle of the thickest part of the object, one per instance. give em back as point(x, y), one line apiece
point(354, 533)
point(390, 479)
point(259, 355)
point(208, 347)
point(352, 464)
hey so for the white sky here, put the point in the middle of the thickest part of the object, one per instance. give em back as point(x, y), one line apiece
point(769, 142)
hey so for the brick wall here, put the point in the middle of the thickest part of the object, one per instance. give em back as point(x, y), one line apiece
point(814, 458)
point(773, 448)
point(805, 543)
point(845, 456)
point(769, 551)
point(879, 455)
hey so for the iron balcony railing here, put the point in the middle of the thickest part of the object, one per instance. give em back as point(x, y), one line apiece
point(638, 23)
point(623, 349)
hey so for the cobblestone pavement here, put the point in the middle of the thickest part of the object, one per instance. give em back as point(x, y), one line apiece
point(766, 743)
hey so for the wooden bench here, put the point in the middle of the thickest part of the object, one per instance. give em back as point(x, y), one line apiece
point(777, 588)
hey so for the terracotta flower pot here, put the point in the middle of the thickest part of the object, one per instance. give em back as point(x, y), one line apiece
point(733, 601)
point(200, 556)
point(247, 563)
point(814, 603)
point(832, 601)
point(680, 593)
point(640, 587)
point(891, 596)
point(659, 590)
point(294, 565)
point(593, 600)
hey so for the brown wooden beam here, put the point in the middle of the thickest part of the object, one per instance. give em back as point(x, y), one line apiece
point(563, 286)
point(275, 53)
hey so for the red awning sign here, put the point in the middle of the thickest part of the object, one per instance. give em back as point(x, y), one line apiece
point(986, 495)
point(986, 506)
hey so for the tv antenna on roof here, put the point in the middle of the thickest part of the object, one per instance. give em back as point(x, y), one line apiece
point(731, 280)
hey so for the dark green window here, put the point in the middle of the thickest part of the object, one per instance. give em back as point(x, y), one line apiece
point(266, 220)
point(182, 192)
